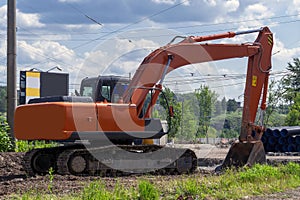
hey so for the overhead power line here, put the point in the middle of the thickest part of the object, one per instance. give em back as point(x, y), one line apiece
point(188, 26)
point(85, 15)
point(123, 28)
point(103, 37)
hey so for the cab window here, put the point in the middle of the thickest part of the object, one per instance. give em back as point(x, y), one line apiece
point(87, 91)
point(119, 91)
point(105, 92)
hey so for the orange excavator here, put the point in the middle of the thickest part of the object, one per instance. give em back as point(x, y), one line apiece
point(98, 130)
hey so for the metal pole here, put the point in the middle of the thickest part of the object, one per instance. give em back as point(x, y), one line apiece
point(11, 64)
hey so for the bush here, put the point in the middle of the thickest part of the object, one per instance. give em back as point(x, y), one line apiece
point(5, 141)
point(24, 146)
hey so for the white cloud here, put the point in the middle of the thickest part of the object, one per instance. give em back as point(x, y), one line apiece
point(283, 55)
point(46, 54)
point(171, 2)
point(70, 1)
point(28, 20)
point(257, 8)
point(54, 49)
point(249, 18)
point(211, 3)
point(3, 12)
point(3, 46)
point(23, 19)
point(117, 56)
point(294, 8)
point(232, 5)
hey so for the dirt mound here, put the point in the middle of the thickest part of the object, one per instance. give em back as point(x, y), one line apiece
point(13, 179)
point(10, 164)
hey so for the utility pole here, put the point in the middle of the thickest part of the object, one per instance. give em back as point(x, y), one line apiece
point(11, 65)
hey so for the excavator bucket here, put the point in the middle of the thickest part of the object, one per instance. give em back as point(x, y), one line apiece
point(244, 154)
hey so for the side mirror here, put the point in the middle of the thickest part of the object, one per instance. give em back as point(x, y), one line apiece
point(171, 111)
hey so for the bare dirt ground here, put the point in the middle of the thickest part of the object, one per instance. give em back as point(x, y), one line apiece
point(13, 179)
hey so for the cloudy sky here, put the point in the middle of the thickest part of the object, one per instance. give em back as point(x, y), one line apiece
point(88, 38)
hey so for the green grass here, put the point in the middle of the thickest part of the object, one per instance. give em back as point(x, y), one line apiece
point(24, 146)
point(258, 180)
point(147, 191)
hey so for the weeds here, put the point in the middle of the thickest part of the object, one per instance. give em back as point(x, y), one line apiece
point(147, 191)
point(94, 191)
point(258, 180)
point(51, 177)
point(24, 146)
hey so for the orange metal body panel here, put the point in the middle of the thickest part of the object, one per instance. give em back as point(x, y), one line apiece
point(58, 120)
point(53, 121)
point(118, 117)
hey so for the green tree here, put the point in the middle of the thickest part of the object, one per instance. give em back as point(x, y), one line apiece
point(224, 104)
point(291, 81)
point(232, 105)
point(274, 97)
point(173, 122)
point(291, 87)
point(232, 124)
point(276, 119)
point(188, 126)
point(206, 101)
point(220, 107)
point(3, 102)
point(293, 117)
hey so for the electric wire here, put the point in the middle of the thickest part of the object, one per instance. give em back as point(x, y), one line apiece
point(155, 14)
point(122, 28)
point(189, 26)
point(53, 57)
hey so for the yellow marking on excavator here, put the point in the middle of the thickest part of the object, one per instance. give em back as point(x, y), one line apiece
point(254, 81)
point(270, 40)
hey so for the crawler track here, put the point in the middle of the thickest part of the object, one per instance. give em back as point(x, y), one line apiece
point(116, 160)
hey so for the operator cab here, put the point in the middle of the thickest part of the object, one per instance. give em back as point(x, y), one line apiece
point(104, 88)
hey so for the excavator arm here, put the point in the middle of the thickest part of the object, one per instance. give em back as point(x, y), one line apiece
point(156, 65)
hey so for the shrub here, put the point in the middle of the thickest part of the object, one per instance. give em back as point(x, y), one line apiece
point(5, 140)
point(24, 146)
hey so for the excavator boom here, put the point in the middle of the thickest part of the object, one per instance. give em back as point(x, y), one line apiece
point(189, 51)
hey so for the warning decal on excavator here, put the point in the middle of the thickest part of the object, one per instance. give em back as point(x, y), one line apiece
point(270, 40)
point(254, 81)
